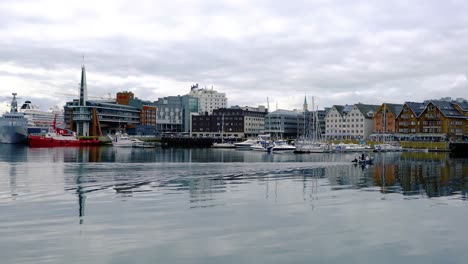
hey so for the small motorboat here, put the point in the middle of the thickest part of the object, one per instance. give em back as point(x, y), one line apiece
point(363, 159)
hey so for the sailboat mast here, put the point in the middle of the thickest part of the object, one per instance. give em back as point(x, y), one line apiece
point(314, 135)
point(222, 128)
point(269, 117)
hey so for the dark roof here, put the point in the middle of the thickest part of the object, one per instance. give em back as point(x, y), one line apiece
point(463, 106)
point(339, 108)
point(447, 109)
point(416, 107)
point(366, 109)
point(394, 108)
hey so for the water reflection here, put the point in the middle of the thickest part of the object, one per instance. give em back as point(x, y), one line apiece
point(13, 190)
point(199, 203)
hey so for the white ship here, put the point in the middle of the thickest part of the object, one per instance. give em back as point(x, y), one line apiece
point(13, 125)
point(38, 119)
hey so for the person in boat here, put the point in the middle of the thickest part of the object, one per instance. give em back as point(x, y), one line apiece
point(363, 157)
point(355, 158)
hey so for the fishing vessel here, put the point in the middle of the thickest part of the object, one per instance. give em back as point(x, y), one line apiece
point(13, 125)
point(58, 137)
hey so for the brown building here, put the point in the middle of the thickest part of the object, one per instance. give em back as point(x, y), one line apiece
point(406, 122)
point(433, 120)
point(384, 118)
point(124, 98)
point(148, 115)
point(441, 117)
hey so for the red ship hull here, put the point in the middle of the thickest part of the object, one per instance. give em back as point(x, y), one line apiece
point(44, 141)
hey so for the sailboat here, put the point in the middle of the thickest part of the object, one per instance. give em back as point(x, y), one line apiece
point(279, 144)
point(312, 142)
point(223, 144)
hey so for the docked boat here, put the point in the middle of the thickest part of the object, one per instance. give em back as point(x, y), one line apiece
point(311, 147)
point(124, 140)
point(13, 125)
point(350, 147)
point(247, 144)
point(260, 146)
point(386, 147)
point(39, 120)
point(312, 141)
point(58, 137)
point(263, 143)
point(281, 146)
point(223, 145)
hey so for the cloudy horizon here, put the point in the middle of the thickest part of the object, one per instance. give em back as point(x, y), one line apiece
point(339, 52)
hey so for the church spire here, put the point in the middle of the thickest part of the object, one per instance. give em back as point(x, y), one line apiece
point(305, 106)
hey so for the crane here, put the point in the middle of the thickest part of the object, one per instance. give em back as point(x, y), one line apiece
point(109, 97)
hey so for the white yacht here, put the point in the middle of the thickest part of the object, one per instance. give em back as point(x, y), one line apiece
point(261, 146)
point(124, 140)
point(386, 147)
point(263, 143)
point(223, 145)
point(281, 146)
point(311, 147)
point(247, 144)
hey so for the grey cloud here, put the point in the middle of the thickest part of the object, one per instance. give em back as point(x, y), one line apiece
point(369, 51)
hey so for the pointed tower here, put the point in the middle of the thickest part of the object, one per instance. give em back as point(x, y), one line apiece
point(82, 115)
point(83, 87)
point(305, 106)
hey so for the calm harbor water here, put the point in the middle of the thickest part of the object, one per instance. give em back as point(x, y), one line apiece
point(108, 205)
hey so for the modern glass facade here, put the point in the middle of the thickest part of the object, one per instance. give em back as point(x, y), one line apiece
point(174, 112)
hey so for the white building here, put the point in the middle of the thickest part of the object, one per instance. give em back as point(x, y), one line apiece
point(208, 99)
point(350, 121)
point(254, 120)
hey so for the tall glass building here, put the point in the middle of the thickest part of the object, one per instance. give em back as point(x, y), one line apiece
point(174, 113)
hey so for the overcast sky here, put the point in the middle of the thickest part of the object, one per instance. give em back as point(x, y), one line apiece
point(369, 51)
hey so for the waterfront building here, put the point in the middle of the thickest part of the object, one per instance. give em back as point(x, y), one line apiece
point(125, 97)
point(99, 117)
point(147, 125)
point(350, 121)
point(407, 121)
point(284, 124)
point(173, 113)
point(237, 122)
point(104, 117)
point(208, 99)
point(334, 122)
point(384, 119)
point(433, 120)
point(358, 121)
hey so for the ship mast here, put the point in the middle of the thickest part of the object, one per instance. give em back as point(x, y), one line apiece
point(14, 104)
